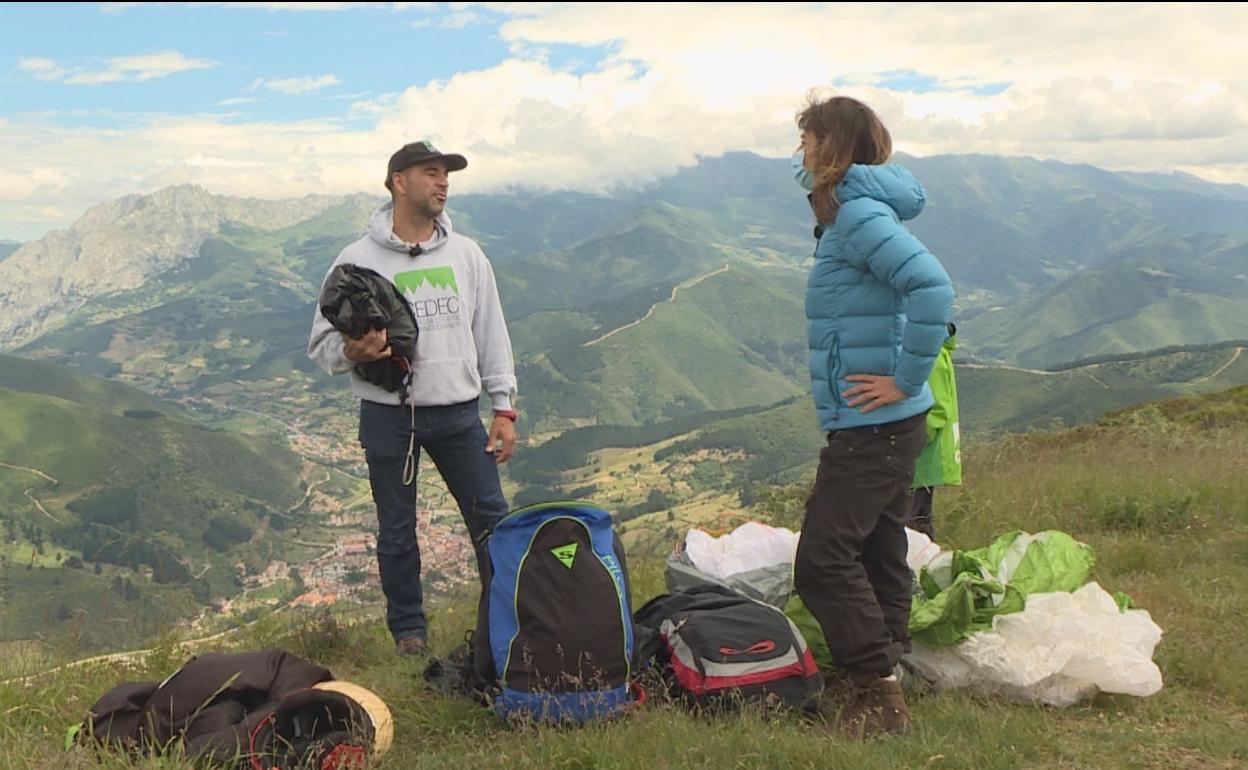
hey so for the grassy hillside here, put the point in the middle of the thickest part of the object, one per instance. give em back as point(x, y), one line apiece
point(1128, 307)
point(1004, 399)
point(728, 338)
point(781, 440)
point(1160, 492)
point(107, 491)
point(74, 611)
point(662, 245)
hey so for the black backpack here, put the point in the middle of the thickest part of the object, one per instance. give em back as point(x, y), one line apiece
point(554, 635)
point(716, 648)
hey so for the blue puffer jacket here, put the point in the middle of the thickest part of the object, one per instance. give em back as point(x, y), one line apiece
point(877, 301)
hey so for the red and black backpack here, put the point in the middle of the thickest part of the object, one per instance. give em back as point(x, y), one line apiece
point(716, 648)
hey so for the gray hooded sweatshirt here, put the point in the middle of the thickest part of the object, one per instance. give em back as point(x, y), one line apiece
point(463, 344)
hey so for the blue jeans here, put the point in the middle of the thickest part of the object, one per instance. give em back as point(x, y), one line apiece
point(455, 440)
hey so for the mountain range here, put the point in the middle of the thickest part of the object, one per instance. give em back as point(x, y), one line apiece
point(1051, 261)
point(668, 320)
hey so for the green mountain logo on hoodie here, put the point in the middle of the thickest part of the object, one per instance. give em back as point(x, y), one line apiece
point(436, 277)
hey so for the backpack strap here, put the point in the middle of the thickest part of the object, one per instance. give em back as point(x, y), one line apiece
point(457, 674)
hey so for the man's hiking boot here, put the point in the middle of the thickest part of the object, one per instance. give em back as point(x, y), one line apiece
point(876, 706)
point(411, 645)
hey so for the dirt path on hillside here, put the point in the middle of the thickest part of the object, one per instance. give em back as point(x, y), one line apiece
point(675, 289)
point(27, 492)
point(1238, 352)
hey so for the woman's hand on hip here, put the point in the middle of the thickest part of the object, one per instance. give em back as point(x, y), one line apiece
point(872, 392)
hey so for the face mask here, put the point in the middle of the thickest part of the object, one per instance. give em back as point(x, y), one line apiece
point(800, 173)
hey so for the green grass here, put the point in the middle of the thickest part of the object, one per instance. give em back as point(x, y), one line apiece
point(138, 484)
point(1160, 492)
point(82, 431)
point(71, 611)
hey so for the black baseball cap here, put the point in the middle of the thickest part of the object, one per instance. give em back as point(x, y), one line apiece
point(418, 152)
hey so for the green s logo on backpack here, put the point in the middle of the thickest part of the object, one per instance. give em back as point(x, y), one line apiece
point(565, 554)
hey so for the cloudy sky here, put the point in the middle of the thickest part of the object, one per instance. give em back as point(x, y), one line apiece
point(284, 99)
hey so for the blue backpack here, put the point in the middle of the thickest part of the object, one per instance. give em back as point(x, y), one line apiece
point(554, 636)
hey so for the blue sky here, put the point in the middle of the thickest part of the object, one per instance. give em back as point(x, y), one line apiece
point(285, 99)
point(369, 52)
point(257, 63)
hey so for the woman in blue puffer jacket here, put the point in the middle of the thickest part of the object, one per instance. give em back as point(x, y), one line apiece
point(877, 307)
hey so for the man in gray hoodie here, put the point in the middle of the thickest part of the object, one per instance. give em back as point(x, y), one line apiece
point(463, 346)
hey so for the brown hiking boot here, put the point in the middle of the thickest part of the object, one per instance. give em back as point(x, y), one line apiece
point(878, 706)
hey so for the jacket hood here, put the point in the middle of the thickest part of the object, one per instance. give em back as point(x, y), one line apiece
point(890, 183)
point(381, 230)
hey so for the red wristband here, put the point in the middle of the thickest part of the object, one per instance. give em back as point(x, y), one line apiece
point(510, 414)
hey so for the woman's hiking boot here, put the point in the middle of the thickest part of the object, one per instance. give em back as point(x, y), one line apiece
point(873, 706)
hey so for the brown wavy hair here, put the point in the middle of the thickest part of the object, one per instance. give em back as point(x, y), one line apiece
point(846, 132)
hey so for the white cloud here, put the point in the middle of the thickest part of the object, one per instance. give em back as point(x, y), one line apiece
point(237, 100)
point(44, 69)
point(122, 68)
point(378, 105)
point(95, 78)
point(42, 214)
point(152, 66)
point(526, 123)
point(36, 65)
point(461, 19)
point(34, 180)
point(295, 86)
point(1121, 86)
point(116, 8)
